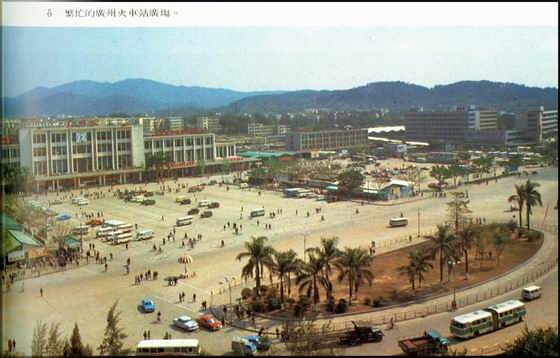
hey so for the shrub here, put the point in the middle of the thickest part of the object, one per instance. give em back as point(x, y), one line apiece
point(331, 303)
point(378, 302)
point(273, 303)
point(533, 235)
point(367, 301)
point(298, 310)
point(341, 306)
point(246, 293)
point(258, 306)
point(304, 302)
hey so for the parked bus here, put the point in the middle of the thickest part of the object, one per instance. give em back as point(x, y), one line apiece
point(113, 223)
point(80, 230)
point(122, 238)
point(145, 234)
point(113, 234)
point(168, 347)
point(487, 320)
point(125, 227)
point(104, 231)
point(184, 220)
point(257, 212)
point(303, 193)
point(397, 222)
point(291, 192)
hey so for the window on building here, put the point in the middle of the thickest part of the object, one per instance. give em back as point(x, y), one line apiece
point(189, 142)
point(178, 142)
point(198, 141)
point(148, 145)
point(39, 152)
point(58, 150)
point(208, 140)
point(5, 153)
point(168, 143)
point(39, 138)
point(157, 144)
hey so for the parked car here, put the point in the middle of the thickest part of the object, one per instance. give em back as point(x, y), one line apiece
point(261, 343)
point(193, 211)
point(212, 182)
point(148, 194)
point(56, 202)
point(243, 347)
point(320, 197)
point(95, 222)
point(186, 323)
point(149, 202)
point(193, 189)
point(209, 322)
point(148, 305)
point(185, 201)
point(213, 205)
point(83, 202)
point(206, 214)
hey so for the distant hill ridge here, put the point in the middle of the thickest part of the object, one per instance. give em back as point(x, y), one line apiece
point(135, 96)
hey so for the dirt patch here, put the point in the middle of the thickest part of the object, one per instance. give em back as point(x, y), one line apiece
point(393, 288)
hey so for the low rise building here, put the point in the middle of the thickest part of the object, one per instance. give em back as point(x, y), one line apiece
point(326, 140)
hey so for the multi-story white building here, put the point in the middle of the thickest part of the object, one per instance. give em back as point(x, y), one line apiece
point(66, 157)
point(261, 130)
point(211, 124)
point(325, 140)
point(538, 124)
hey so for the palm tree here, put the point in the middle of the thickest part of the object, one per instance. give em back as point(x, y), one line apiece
point(354, 264)
point(466, 238)
point(532, 198)
point(328, 253)
point(422, 264)
point(284, 263)
point(310, 278)
point(519, 198)
point(445, 245)
point(159, 160)
point(410, 271)
point(259, 255)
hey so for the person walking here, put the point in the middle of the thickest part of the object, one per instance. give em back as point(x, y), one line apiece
point(149, 334)
point(277, 333)
point(145, 335)
point(9, 345)
point(41, 291)
point(194, 297)
point(105, 266)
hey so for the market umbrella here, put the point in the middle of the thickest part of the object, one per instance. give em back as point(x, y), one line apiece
point(185, 259)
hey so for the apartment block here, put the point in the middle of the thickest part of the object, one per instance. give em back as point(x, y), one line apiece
point(211, 124)
point(326, 140)
point(538, 123)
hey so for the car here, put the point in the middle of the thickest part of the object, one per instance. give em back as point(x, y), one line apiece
point(185, 201)
point(320, 197)
point(206, 214)
point(83, 202)
point(193, 189)
point(213, 182)
point(213, 205)
point(209, 322)
point(261, 343)
point(51, 212)
point(193, 211)
point(148, 305)
point(149, 202)
point(95, 222)
point(186, 323)
point(56, 202)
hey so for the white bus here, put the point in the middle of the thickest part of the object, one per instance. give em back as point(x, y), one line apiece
point(168, 347)
point(113, 223)
point(125, 227)
point(112, 235)
point(397, 222)
point(184, 220)
point(104, 231)
point(203, 203)
point(122, 238)
point(145, 234)
point(257, 212)
point(471, 324)
point(487, 320)
point(303, 193)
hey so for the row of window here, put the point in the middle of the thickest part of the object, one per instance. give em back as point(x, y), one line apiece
point(510, 312)
point(10, 153)
point(168, 143)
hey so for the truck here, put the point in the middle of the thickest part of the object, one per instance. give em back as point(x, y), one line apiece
point(362, 333)
point(428, 343)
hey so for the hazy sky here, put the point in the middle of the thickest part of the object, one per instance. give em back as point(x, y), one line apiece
point(281, 58)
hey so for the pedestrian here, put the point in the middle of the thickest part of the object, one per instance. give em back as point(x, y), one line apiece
point(149, 334)
point(194, 297)
point(277, 333)
point(105, 267)
point(126, 246)
point(145, 335)
point(14, 344)
point(9, 345)
point(162, 218)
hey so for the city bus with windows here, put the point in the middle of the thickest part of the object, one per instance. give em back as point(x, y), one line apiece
point(398, 222)
point(122, 238)
point(257, 212)
point(113, 223)
point(168, 347)
point(125, 227)
point(507, 313)
point(487, 320)
point(104, 231)
point(184, 220)
point(471, 324)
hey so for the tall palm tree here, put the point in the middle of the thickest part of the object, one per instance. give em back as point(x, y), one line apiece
point(410, 271)
point(284, 263)
point(310, 278)
point(259, 255)
point(519, 198)
point(532, 198)
point(354, 264)
point(328, 254)
point(445, 245)
point(466, 239)
point(422, 263)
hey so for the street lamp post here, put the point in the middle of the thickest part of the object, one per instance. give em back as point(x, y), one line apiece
point(229, 287)
point(418, 222)
point(305, 246)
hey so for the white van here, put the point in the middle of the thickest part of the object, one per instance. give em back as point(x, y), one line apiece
point(257, 212)
point(184, 220)
point(320, 197)
point(180, 198)
point(531, 292)
point(145, 234)
point(83, 202)
point(76, 199)
point(243, 186)
point(203, 203)
point(137, 199)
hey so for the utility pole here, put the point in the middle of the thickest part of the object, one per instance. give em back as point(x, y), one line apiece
point(418, 222)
